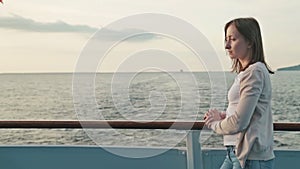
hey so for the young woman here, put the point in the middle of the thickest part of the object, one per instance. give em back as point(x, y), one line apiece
point(247, 124)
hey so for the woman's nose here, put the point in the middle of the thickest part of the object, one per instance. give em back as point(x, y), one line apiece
point(227, 45)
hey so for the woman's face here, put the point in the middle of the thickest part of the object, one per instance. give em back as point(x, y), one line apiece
point(236, 45)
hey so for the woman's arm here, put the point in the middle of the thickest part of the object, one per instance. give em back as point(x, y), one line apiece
point(251, 86)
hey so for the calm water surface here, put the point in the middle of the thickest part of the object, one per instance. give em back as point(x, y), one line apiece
point(145, 96)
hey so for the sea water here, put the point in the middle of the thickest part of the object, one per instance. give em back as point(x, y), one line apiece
point(151, 96)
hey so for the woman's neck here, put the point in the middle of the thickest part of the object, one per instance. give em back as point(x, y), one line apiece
point(244, 62)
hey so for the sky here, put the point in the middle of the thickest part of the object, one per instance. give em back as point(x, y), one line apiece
point(50, 36)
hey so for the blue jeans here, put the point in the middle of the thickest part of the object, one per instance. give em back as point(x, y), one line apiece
point(231, 162)
point(259, 164)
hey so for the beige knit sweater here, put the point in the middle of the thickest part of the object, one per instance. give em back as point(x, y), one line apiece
point(252, 120)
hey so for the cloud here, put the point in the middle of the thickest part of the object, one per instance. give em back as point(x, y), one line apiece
point(25, 24)
point(130, 35)
point(20, 23)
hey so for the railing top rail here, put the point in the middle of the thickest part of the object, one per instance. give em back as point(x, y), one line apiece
point(119, 124)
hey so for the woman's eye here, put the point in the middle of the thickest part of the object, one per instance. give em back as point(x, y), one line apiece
point(229, 39)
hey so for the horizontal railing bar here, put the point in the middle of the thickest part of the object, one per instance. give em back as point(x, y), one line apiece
point(286, 126)
point(116, 124)
point(119, 124)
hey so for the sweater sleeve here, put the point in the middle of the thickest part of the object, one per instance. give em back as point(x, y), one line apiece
point(251, 85)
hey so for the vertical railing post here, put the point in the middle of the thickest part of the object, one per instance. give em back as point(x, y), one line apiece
point(194, 157)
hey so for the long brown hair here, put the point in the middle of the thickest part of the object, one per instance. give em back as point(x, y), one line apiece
point(250, 30)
